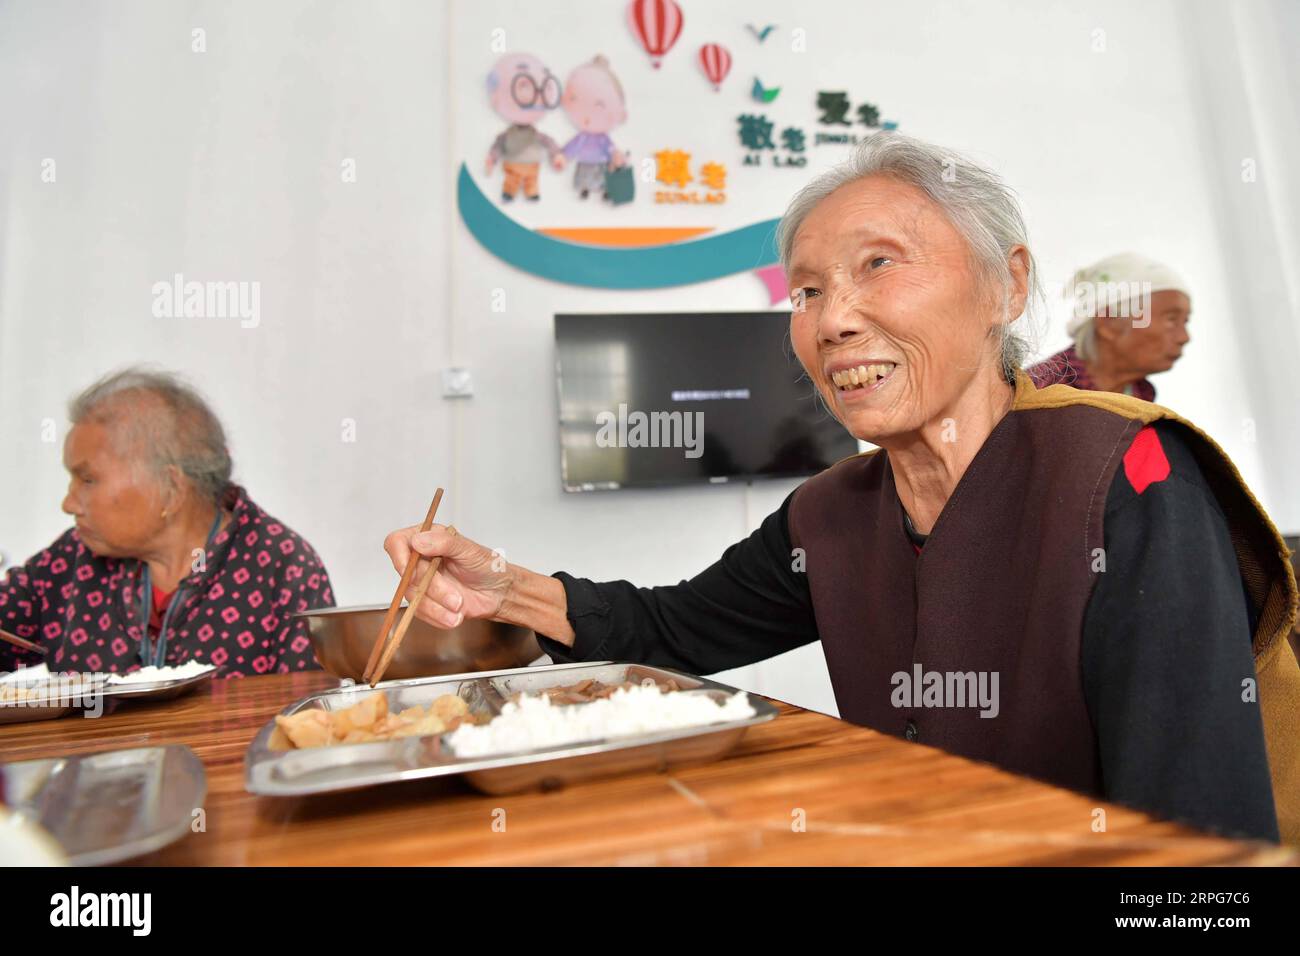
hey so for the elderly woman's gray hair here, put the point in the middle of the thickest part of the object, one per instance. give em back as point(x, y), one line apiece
point(157, 420)
point(981, 207)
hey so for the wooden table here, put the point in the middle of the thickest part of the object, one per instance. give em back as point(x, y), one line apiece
point(862, 798)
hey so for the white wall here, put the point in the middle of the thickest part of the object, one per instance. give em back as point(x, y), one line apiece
point(225, 165)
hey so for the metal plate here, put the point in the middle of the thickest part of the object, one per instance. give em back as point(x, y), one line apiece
point(158, 690)
point(111, 694)
point(351, 766)
point(109, 806)
point(55, 698)
point(18, 714)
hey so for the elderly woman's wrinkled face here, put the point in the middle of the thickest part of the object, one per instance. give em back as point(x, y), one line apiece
point(1154, 344)
point(117, 514)
point(889, 319)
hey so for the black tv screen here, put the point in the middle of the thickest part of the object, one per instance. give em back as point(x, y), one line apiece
point(662, 399)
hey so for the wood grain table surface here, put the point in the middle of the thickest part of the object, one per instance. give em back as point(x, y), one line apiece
point(803, 789)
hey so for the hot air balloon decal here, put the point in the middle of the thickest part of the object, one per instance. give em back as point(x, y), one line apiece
point(657, 25)
point(716, 62)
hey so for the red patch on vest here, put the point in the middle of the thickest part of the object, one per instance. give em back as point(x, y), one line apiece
point(1145, 463)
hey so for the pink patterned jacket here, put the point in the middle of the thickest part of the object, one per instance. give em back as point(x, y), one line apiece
point(236, 613)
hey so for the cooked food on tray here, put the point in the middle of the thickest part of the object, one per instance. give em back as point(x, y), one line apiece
point(36, 685)
point(156, 675)
point(19, 693)
point(538, 721)
point(505, 732)
point(38, 673)
point(585, 691)
point(570, 713)
point(367, 721)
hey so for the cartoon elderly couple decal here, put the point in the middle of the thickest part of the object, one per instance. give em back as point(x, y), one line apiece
point(523, 91)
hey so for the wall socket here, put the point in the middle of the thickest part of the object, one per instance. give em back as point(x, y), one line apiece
point(457, 383)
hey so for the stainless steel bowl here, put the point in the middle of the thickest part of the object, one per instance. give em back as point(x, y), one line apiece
point(343, 637)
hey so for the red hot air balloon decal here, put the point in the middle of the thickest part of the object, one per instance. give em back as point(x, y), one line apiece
point(657, 25)
point(716, 62)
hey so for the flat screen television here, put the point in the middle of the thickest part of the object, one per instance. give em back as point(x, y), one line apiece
point(668, 399)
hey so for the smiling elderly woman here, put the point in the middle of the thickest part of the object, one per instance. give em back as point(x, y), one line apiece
point(1091, 559)
point(169, 561)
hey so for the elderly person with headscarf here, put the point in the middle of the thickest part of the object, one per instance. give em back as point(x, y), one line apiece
point(1092, 560)
point(168, 561)
point(1128, 320)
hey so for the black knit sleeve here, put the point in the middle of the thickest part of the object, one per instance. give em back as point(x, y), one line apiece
point(749, 605)
point(1167, 658)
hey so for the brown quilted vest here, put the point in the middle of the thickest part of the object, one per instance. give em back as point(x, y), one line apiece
point(1003, 583)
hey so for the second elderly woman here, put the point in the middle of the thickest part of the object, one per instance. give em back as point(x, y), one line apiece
point(168, 561)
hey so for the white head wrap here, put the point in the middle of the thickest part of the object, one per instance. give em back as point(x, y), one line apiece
point(1116, 281)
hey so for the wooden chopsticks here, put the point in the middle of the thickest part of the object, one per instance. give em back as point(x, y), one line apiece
point(382, 653)
point(420, 590)
point(17, 641)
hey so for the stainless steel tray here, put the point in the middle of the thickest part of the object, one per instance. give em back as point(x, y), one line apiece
point(351, 766)
point(109, 806)
point(57, 705)
point(158, 690)
point(57, 698)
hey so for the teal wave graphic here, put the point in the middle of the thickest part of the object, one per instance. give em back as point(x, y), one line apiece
point(651, 267)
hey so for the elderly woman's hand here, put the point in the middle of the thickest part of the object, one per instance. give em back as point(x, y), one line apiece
point(472, 582)
point(475, 581)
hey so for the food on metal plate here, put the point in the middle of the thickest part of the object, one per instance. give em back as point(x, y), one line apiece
point(14, 694)
point(585, 691)
point(150, 675)
point(540, 721)
point(367, 721)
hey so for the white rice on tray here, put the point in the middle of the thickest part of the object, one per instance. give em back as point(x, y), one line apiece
point(27, 675)
point(145, 675)
point(535, 723)
point(151, 675)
